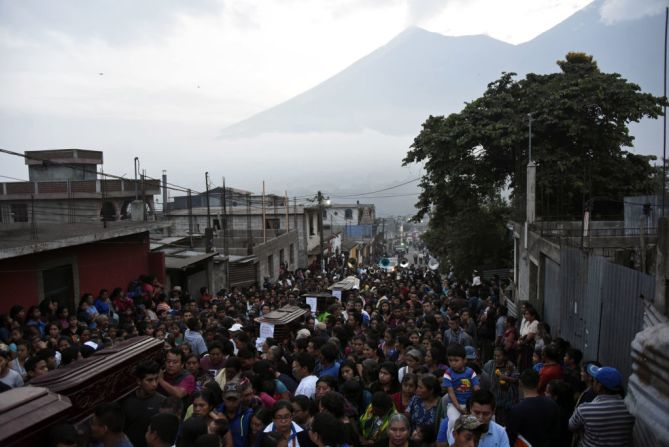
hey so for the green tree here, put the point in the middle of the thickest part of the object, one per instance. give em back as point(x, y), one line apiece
point(473, 158)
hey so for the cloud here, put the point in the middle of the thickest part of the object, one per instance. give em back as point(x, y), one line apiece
point(613, 11)
point(113, 21)
point(418, 11)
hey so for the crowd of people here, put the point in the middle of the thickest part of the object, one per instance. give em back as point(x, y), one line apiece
point(407, 359)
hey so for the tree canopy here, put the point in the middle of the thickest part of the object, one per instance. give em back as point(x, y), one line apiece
point(476, 158)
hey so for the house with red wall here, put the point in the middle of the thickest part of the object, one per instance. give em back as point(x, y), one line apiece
point(64, 261)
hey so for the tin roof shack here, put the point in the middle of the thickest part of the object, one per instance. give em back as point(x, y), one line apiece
point(64, 261)
point(64, 188)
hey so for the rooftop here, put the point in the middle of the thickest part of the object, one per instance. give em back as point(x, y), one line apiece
point(16, 240)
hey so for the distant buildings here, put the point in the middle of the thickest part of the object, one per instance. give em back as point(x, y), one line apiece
point(64, 187)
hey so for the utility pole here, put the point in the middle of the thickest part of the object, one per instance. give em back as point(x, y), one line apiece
point(143, 195)
point(164, 193)
point(287, 204)
point(224, 222)
point(189, 204)
point(206, 184)
point(320, 227)
point(264, 224)
point(136, 172)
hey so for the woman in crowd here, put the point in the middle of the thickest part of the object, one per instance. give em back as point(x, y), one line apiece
point(403, 397)
point(283, 424)
point(422, 408)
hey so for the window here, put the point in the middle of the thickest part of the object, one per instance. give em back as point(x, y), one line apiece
point(282, 256)
point(270, 266)
point(291, 254)
point(20, 212)
point(348, 214)
point(311, 224)
point(217, 224)
point(325, 214)
point(272, 223)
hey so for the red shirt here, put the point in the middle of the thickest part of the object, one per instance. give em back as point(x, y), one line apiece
point(548, 373)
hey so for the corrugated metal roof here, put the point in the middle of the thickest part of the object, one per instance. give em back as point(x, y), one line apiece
point(178, 261)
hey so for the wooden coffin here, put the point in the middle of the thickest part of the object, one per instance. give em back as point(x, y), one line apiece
point(106, 376)
point(323, 300)
point(27, 414)
point(285, 320)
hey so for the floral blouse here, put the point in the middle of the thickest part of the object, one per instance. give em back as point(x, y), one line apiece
point(420, 416)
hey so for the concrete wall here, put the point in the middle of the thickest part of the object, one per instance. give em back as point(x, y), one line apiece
point(37, 173)
point(273, 248)
point(105, 264)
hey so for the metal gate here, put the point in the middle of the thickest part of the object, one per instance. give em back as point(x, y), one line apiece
point(622, 313)
point(551, 295)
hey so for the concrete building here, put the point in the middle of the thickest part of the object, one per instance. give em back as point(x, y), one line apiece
point(64, 261)
point(64, 187)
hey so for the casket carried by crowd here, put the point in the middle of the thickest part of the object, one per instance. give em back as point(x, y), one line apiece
point(70, 394)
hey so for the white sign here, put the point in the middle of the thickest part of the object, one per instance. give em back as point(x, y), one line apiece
point(266, 331)
point(337, 294)
point(311, 301)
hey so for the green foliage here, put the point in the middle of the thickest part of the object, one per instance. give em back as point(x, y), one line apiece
point(580, 119)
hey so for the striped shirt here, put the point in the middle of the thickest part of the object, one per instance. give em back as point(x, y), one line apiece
point(605, 422)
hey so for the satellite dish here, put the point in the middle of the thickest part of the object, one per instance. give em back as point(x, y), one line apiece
point(433, 264)
point(404, 263)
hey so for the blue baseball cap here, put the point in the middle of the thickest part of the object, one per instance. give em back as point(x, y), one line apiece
point(470, 353)
point(609, 377)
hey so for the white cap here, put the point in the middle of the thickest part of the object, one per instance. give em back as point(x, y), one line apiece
point(91, 344)
point(303, 333)
point(236, 327)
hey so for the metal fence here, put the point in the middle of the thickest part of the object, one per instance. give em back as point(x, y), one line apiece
point(595, 305)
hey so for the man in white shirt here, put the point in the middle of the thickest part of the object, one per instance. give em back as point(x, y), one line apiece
point(303, 370)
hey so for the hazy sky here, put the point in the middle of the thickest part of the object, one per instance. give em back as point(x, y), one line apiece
point(161, 78)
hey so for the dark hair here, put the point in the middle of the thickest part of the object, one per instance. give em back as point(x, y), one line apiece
point(382, 401)
point(349, 364)
point(178, 352)
point(264, 415)
point(456, 350)
point(270, 439)
point(529, 379)
point(222, 426)
point(575, 354)
point(215, 345)
point(481, 397)
point(305, 360)
point(551, 353)
point(208, 440)
point(31, 362)
point(63, 434)
point(334, 403)
point(431, 383)
point(245, 353)
point(111, 416)
point(329, 352)
point(330, 381)
point(281, 404)
point(69, 355)
point(145, 368)
point(207, 396)
point(173, 404)
point(165, 426)
point(329, 428)
point(193, 323)
point(234, 363)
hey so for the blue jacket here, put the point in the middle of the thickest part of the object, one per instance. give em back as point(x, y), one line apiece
point(239, 425)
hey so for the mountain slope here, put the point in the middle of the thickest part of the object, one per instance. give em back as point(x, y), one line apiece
point(418, 73)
